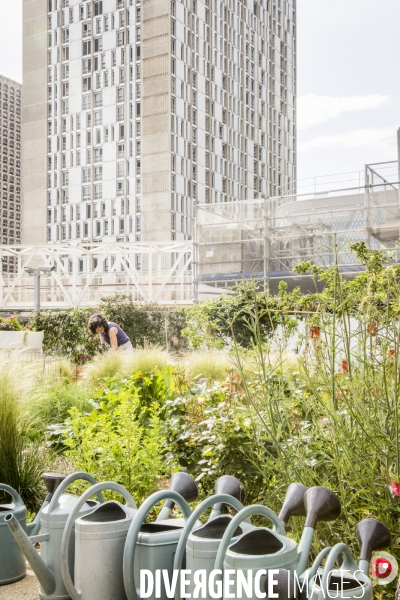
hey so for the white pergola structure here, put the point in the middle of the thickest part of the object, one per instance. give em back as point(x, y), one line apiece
point(85, 273)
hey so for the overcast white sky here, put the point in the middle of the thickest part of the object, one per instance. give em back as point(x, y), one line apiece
point(347, 80)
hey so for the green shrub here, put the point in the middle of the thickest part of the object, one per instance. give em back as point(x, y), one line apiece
point(21, 461)
point(51, 404)
point(211, 364)
point(146, 324)
point(217, 323)
point(10, 324)
point(66, 334)
point(120, 440)
point(210, 434)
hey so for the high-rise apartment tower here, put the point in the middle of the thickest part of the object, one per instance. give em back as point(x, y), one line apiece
point(135, 111)
point(10, 161)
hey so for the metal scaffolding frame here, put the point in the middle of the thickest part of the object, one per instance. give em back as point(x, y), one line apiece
point(159, 273)
point(260, 238)
point(266, 238)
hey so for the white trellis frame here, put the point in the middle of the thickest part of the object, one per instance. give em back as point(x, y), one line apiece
point(85, 273)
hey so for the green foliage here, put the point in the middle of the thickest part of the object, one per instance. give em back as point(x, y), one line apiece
point(10, 324)
point(210, 434)
point(335, 420)
point(216, 323)
point(146, 360)
point(146, 324)
point(121, 439)
point(211, 364)
point(66, 334)
point(21, 462)
point(109, 365)
point(51, 404)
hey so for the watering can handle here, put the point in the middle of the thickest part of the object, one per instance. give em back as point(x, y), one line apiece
point(317, 563)
point(349, 564)
point(256, 509)
point(180, 551)
point(80, 475)
point(134, 530)
point(18, 502)
point(64, 557)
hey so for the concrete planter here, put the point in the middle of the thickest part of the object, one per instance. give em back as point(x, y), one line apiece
point(18, 340)
point(35, 340)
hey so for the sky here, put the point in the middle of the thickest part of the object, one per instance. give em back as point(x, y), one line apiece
point(347, 83)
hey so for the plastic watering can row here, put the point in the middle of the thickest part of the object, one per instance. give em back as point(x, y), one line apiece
point(238, 545)
point(97, 549)
point(64, 531)
point(350, 581)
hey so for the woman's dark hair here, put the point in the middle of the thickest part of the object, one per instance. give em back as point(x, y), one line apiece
point(96, 321)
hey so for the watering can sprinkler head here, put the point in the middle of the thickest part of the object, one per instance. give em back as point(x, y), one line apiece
point(52, 481)
point(184, 485)
point(284, 586)
point(321, 505)
point(232, 487)
point(293, 504)
point(371, 535)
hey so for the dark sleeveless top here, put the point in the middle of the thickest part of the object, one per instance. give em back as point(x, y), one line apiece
point(122, 338)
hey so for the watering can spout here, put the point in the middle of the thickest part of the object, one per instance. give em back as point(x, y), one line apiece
point(51, 481)
point(293, 505)
point(227, 485)
point(184, 485)
point(44, 575)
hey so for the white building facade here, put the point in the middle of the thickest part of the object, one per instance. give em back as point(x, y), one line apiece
point(135, 111)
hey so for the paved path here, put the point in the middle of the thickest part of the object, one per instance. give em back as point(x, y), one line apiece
point(25, 589)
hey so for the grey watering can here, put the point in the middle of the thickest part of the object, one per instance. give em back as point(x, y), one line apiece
point(263, 549)
point(152, 546)
point(200, 544)
point(12, 560)
point(46, 565)
point(99, 545)
point(349, 581)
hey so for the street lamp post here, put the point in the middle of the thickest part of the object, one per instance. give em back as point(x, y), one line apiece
point(36, 272)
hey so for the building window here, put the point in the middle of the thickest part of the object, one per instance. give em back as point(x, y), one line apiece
point(86, 102)
point(86, 48)
point(120, 188)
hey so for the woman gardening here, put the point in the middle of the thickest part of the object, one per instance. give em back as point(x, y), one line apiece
point(110, 333)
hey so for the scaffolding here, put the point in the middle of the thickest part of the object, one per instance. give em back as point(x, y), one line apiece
point(260, 238)
point(266, 238)
point(149, 273)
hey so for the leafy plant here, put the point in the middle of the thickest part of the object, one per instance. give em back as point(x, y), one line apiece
point(52, 403)
point(10, 324)
point(120, 440)
point(209, 434)
point(217, 323)
point(66, 333)
point(146, 324)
